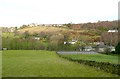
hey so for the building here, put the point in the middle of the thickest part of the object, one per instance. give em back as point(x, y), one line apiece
point(73, 41)
point(112, 31)
point(101, 48)
point(37, 38)
point(111, 48)
point(98, 43)
point(86, 48)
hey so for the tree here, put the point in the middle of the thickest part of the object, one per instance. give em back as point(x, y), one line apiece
point(26, 34)
point(23, 26)
point(68, 25)
point(117, 48)
point(57, 39)
point(113, 38)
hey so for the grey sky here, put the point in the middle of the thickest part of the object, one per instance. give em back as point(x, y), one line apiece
point(19, 12)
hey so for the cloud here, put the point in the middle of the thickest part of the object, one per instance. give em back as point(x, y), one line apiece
point(18, 12)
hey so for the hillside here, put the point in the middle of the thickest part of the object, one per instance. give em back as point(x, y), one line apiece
point(39, 29)
point(85, 35)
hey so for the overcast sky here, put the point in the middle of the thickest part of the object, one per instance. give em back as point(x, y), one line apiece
point(19, 12)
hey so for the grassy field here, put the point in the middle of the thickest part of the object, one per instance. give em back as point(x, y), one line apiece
point(39, 63)
point(93, 57)
point(0, 64)
point(11, 35)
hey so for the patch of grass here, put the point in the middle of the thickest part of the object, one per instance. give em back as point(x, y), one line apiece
point(11, 35)
point(40, 63)
point(0, 64)
point(39, 29)
point(8, 34)
point(94, 57)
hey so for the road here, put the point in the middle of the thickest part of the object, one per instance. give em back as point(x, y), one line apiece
point(76, 52)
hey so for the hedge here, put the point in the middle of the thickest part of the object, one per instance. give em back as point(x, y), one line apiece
point(106, 66)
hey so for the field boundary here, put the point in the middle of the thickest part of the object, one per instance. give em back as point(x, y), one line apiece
point(106, 66)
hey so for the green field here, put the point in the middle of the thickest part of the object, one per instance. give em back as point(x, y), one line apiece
point(11, 35)
point(93, 57)
point(39, 63)
point(0, 64)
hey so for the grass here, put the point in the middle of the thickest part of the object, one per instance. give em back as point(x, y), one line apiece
point(94, 57)
point(11, 35)
point(0, 64)
point(39, 29)
point(40, 63)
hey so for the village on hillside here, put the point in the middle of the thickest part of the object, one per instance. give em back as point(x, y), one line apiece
point(101, 36)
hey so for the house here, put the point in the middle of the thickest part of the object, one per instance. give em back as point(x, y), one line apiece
point(101, 48)
point(58, 25)
point(73, 41)
point(12, 29)
point(111, 48)
point(37, 38)
point(112, 31)
point(33, 25)
point(65, 42)
point(86, 48)
point(4, 48)
point(98, 43)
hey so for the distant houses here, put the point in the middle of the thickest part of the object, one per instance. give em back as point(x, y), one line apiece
point(98, 48)
point(8, 29)
point(35, 24)
point(71, 42)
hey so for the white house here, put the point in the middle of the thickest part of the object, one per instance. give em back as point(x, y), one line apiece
point(88, 48)
point(112, 30)
point(65, 42)
point(4, 48)
point(112, 48)
point(98, 43)
point(37, 38)
point(73, 41)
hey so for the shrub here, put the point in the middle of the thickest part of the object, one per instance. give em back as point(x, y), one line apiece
point(117, 48)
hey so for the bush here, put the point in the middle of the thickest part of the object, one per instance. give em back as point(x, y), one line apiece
point(117, 48)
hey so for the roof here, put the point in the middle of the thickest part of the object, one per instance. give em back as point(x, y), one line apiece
point(112, 30)
point(101, 46)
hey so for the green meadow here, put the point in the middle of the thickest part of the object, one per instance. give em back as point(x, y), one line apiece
point(94, 57)
point(0, 63)
point(41, 63)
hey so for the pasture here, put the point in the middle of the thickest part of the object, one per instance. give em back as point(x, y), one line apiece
point(40, 63)
point(93, 57)
point(0, 64)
